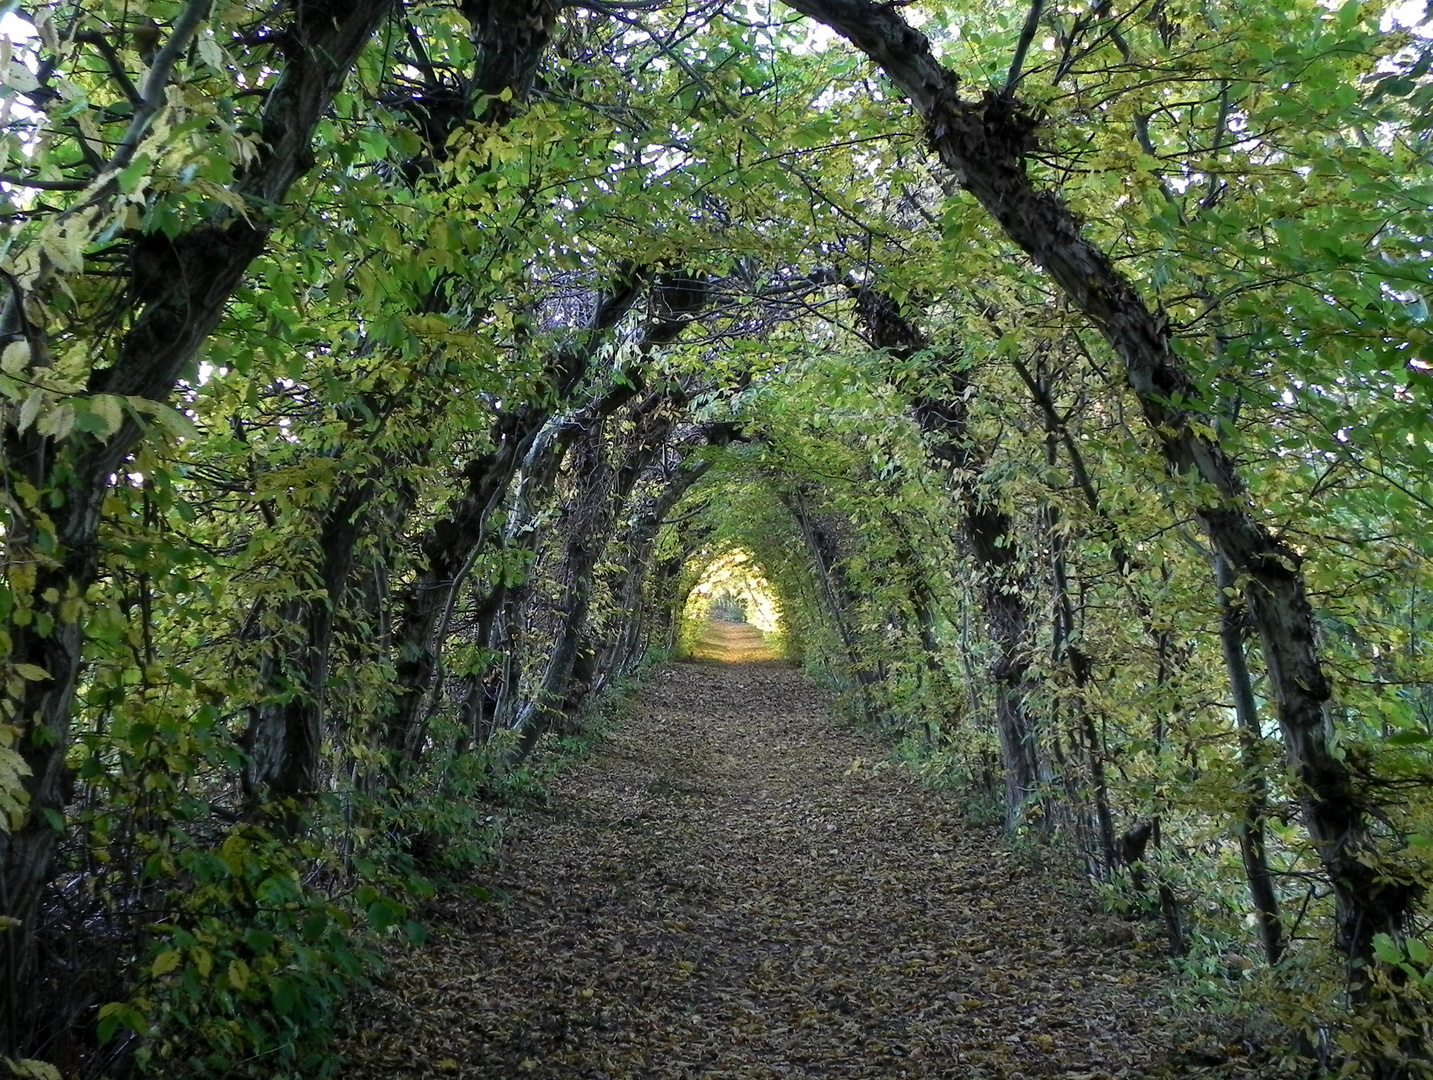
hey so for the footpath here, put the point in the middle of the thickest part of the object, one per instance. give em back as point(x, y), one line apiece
point(735, 885)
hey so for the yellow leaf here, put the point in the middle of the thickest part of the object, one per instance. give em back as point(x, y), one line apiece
point(31, 672)
point(107, 408)
point(210, 52)
point(238, 974)
point(233, 851)
point(15, 358)
point(58, 422)
point(30, 410)
point(165, 962)
point(13, 796)
point(20, 77)
point(30, 1069)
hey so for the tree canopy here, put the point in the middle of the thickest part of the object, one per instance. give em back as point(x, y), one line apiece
point(379, 380)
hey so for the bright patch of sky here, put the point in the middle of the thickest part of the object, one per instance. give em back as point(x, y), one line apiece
point(1410, 15)
point(14, 27)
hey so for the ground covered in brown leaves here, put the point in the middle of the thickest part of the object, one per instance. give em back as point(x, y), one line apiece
point(734, 885)
point(731, 642)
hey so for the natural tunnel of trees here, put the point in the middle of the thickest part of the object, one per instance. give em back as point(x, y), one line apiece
point(379, 380)
point(732, 586)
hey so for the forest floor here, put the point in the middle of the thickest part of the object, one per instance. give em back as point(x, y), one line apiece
point(736, 885)
point(731, 643)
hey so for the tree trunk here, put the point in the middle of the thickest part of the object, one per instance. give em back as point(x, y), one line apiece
point(983, 143)
point(1065, 651)
point(449, 546)
point(181, 286)
point(677, 299)
point(640, 536)
point(1252, 847)
point(839, 601)
point(284, 737)
point(603, 494)
point(989, 535)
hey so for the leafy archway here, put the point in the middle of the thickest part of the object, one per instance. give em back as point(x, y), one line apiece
point(734, 587)
point(1086, 448)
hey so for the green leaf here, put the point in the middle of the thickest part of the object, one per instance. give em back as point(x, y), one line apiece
point(285, 997)
point(1386, 949)
point(1408, 738)
point(115, 1015)
point(1418, 952)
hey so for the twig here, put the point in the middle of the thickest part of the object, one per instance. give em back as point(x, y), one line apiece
point(44, 185)
point(111, 58)
point(1027, 34)
point(155, 80)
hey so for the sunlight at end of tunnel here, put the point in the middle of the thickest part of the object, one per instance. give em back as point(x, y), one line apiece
point(732, 613)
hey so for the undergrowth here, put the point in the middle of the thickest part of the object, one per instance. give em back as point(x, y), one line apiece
point(256, 940)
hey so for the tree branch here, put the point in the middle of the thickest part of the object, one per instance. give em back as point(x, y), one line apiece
point(111, 59)
point(1027, 34)
point(151, 96)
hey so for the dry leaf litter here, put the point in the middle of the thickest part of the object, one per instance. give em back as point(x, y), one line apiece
point(735, 885)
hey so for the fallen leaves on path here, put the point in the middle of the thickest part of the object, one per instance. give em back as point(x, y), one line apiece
point(734, 886)
point(731, 642)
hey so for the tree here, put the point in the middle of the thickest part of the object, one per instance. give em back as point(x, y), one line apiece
point(984, 144)
point(179, 277)
point(381, 380)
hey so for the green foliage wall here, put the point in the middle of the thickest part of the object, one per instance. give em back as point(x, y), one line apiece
point(352, 358)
